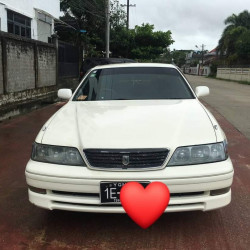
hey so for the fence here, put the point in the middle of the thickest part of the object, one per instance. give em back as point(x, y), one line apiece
point(68, 60)
point(235, 74)
point(202, 71)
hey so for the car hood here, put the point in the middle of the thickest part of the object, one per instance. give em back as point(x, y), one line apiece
point(130, 124)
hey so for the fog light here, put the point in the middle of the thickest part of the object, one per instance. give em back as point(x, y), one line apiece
point(219, 191)
point(37, 190)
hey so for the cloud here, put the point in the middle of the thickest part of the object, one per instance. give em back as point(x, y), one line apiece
point(191, 22)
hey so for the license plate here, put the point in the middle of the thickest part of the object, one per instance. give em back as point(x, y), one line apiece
point(110, 191)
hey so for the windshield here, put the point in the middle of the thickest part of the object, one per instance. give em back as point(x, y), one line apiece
point(133, 83)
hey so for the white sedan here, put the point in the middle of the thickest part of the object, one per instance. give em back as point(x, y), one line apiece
point(130, 122)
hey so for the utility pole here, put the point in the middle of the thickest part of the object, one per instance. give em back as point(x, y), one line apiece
point(128, 6)
point(202, 55)
point(107, 27)
point(202, 52)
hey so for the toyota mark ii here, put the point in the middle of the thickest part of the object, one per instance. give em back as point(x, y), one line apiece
point(130, 122)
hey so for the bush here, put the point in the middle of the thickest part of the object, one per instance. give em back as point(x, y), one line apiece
point(213, 69)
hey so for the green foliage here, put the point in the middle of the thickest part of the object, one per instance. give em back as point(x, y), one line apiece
point(167, 56)
point(213, 69)
point(149, 44)
point(179, 57)
point(194, 63)
point(235, 40)
point(84, 15)
point(141, 43)
point(243, 46)
point(118, 16)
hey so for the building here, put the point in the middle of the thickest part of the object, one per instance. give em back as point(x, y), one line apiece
point(210, 57)
point(196, 63)
point(193, 58)
point(33, 19)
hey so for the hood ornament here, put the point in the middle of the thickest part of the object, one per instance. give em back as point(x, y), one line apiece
point(125, 160)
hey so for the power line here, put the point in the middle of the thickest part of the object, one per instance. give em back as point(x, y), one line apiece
point(75, 5)
point(128, 6)
point(202, 52)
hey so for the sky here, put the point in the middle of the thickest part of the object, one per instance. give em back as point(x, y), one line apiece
point(192, 22)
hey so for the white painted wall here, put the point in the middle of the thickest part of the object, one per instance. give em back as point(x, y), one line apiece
point(235, 74)
point(26, 7)
point(3, 18)
point(205, 71)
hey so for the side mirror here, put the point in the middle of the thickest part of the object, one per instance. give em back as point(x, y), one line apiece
point(202, 91)
point(64, 93)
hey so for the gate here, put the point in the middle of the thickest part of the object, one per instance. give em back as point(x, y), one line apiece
point(68, 60)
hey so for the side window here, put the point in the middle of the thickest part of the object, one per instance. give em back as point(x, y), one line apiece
point(89, 89)
point(83, 92)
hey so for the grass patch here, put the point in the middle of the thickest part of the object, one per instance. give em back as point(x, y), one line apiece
point(240, 82)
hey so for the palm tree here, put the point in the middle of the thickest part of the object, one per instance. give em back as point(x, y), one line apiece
point(237, 26)
point(243, 19)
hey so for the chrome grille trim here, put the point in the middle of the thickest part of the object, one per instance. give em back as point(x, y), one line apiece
point(139, 159)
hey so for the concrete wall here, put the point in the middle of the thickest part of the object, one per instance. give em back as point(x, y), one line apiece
point(234, 74)
point(28, 74)
point(204, 71)
point(1, 70)
point(46, 66)
point(20, 66)
point(191, 70)
point(3, 16)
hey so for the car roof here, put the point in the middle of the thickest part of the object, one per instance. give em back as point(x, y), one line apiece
point(132, 65)
point(107, 60)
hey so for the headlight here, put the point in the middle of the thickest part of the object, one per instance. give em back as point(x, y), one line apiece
point(199, 154)
point(56, 155)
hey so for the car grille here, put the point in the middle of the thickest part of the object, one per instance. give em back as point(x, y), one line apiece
point(126, 159)
point(97, 195)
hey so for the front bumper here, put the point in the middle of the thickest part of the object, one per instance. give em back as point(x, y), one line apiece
point(78, 188)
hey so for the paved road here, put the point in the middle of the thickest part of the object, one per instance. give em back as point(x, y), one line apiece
point(231, 99)
point(24, 226)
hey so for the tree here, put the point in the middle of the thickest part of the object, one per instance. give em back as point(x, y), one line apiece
point(235, 37)
point(243, 47)
point(142, 42)
point(179, 57)
point(90, 16)
point(149, 44)
point(166, 57)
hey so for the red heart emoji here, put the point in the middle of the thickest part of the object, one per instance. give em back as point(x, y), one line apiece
point(144, 206)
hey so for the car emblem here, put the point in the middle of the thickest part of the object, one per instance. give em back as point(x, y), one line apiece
point(125, 160)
